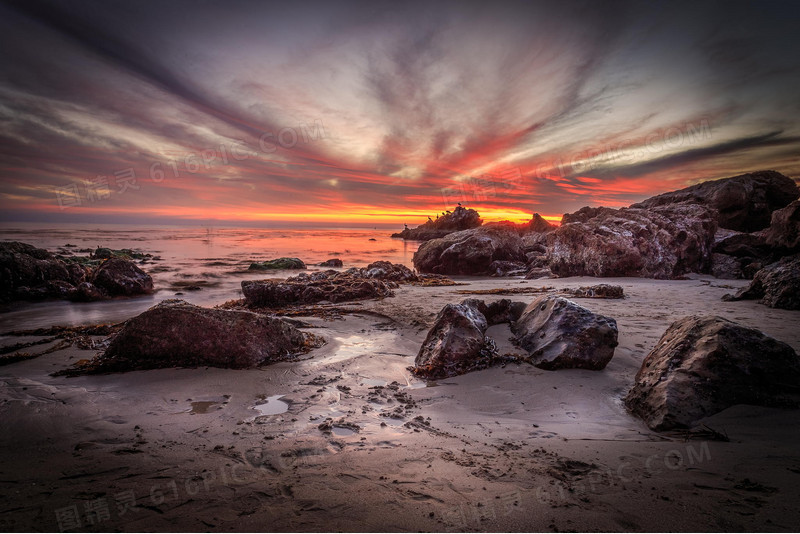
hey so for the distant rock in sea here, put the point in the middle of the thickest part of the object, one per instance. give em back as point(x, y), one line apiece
point(333, 262)
point(460, 219)
point(279, 263)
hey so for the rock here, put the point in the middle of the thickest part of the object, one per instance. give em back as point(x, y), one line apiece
point(703, 365)
point(280, 263)
point(783, 233)
point(102, 253)
point(331, 286)
point(744, 203)
point(454, 343)
point(88, 292)
point(384, 270)
point(33, 273)
point(726, 267)
point(469, 251)
point(662, 242)
point(175, 333)
point(333, 262)
point(599, 291)
point(499, 311)
point(460, 219)
point(559, 334)
point(538, 224)
point(777, 285)
point(120, 277)
point(507, 268)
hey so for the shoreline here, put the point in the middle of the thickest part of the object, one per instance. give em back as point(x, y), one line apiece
point(510, 448)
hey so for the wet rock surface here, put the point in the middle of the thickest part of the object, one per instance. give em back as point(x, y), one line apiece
point(333, 262)
point(662, 242)
point(120, 277)
point(704, 364)
point(175, 333)
point(469, 251)
point(777, 285)
point(744, 203)
point(559, 334)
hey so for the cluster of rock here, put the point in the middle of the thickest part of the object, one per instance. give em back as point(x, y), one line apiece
point(377, 280)
point(175, 333)
point(279, 263)
point(703, 365)
point(30, 273)
point(555, 332)
point(461, 218)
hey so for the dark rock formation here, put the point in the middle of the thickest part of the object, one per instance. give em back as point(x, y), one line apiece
point(783, 234)
point(777, 285)
point(661, 242)
point(460, 219)
point(384, 270)
point(499, 311)
point(27, 272)
point(117, 277)
point(331, 286)
point(507, 268)
point(559, 334)
point(175, 333)
point(744, 203)
point(469, 251)
point(280, 263)
point(454, 343)
point(702, 365)
point(333, 262)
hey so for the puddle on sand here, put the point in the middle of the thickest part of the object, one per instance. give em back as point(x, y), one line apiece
point(272, 406)
point(341, 431)
point(373, 382)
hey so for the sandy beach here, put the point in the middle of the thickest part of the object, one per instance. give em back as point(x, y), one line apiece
point(349, 440)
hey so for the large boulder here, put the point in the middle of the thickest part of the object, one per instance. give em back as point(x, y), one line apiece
point(33, 273)
point(744, 203)
point(559, 334)
point(384, 270)
point(469, 251)
point(331, 286)
point(662, 242)
point(120, 277)
point(454, 343)
point(777, 285)
point(460, 219)
point(703, 365)
point(175, 333)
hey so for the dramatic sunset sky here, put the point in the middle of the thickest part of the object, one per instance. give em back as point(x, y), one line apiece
point(384, 112)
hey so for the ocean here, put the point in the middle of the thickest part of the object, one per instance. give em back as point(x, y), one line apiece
point(214, 259)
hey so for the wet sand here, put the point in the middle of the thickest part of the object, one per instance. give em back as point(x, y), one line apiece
point(351, 441)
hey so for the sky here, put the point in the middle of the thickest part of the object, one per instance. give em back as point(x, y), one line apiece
point(301, 113)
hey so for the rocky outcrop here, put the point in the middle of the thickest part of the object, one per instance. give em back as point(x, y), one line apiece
point(559, 334)
point(744, 203)
point(777, 285)
point(333, 262)
point(783, 234)
point(27, 272)
point(460, 219)
point(279, 263)
point(538, 224)
point(175, 333)
point(117, 277)
point(330, 286)
point(507, 268)
point(703, 365)
point(469, 251)
point(661, 242)
point(384, 270)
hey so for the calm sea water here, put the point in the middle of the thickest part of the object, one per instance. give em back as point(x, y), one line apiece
point(216, 259)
